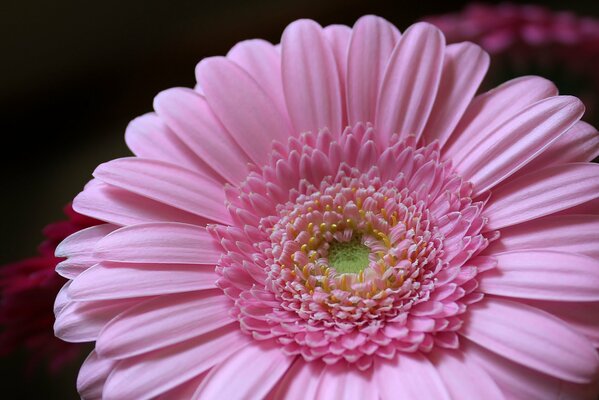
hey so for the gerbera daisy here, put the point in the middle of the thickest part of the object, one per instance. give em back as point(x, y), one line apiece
point(27, 290)
point(340, 217)
point(531, 38)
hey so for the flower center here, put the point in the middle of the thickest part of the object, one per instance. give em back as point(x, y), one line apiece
point(349, 257)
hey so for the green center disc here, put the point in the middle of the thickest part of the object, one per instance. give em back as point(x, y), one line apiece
point(348, 257)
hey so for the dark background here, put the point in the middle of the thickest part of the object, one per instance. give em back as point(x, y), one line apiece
point(74, 73)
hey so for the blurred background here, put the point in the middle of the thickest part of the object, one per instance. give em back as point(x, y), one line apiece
point(74, 73)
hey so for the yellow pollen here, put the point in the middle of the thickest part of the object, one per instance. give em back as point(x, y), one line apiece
point(327, 207)
point(310, 226)
point(304, 248)
point(339, 209)
point(313, 242)
point(323, 227)
point(333, 227)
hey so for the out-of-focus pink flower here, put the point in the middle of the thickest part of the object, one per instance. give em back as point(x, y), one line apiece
point(27, 292)
point(339, 217)
point(533, 39)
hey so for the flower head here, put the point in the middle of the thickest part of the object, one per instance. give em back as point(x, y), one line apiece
point(340, 217)
point(27, 290)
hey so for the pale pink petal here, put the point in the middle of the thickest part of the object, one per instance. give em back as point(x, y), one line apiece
point(168, 184)
point(149, 137)
point(154, 373)
point(259, 58)
point(81, 321)
point(463, 378)
point(301, 380)
point(516, 381)
point(120, 207)
point(62, 298)
point(244, 108)
point(531, 337)
point(519, 140)
point(579, 316)
point(189, 116)
point(338, 37)
point(107, 281)
point(93, 375)
point(576, 234)
point(159, 242)
point(543, 275)
point(310, 78)
point(412, 375)
point(410, 82)
point(248, 374)
point(185, 390)
point(542, 193)
point(164, 321)
point(372, 41)
point(579, 144)
point(343, 381)
point(464, 68)
point(491, 109)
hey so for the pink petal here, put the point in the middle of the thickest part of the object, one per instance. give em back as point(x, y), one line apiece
point(372, 41)
point(93, 375)
point(164, 321)
point(519, 140)
point(187, 113)
point(575, 234)
point(107, 281)
point(515, 380)
point(579, 144)
point(343, 381)
point(243, 107)
point(310, 79)
point(267, 364)
point(463, 378)
point(81, 321)
point(151, 374)
point(491, 109)
point(412, 375)
point(260, 59)
point(301, 380)
point(542, 193)
point(185, 390)
point(149, 137)
point(338, 37)
point(410, 82)
point(464, 67)
point(120, 207)
point(543, 275)
point(531, 337)
point(82, 242)
point(167, 184)
point(159, 242)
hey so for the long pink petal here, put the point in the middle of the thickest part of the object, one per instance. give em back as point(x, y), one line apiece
point(106, 281)
point(159, 242)
point(244, 108)
point(184, 390)
point(248, 374)
point(491, 109)
point(519, 140)
point(310, 79)
point(579, 144)
point(168, 184)
point(412, 375)
point(149, 137)
point(301, 380)
point(543, 275)
point(164, 321)
point(343, 381)
point(81, 321)
point(338, 37)
point(121, 207)
point(372, 41)
point(260, 58)
point(93, 375)
point(533, 338)
point(410, 82)
point(576, 234)
point(151, 374)
point(463, 378)
point(187, 113)
point(464, 68)
point(542, 193)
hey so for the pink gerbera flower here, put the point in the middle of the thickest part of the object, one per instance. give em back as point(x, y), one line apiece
point(27, 289)
point(340, 217)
